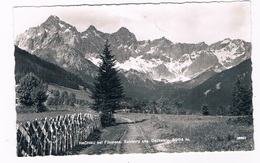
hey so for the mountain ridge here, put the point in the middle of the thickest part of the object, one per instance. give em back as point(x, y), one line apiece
point(160, 59)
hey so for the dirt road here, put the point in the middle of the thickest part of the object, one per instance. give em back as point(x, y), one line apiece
point(127, 136)
point(135, 141)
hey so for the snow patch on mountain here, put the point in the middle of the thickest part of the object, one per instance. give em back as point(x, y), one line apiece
point(61, 25)
point(179, 78)
point(206, 92)
point(138, 64)
point(95, 61)
point(67, 30)
point(228, 53)
point(152, 50)
point(218, 85)
point(226, 41)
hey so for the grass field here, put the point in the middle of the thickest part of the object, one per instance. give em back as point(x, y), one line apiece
point(195, 133)
point(24, 117)
point(80, 94)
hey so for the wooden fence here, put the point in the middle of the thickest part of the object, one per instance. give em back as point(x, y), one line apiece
point(54, 136)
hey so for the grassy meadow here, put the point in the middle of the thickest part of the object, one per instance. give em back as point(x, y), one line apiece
point(80, 94)
point(196, 133)
point(24, 117)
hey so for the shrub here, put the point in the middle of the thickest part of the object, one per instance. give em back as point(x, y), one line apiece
point(107, 120)
point(182, 112)
point(31, 92)
point(205, 109)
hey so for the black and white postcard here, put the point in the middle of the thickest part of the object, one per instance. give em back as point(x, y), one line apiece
point(133, 78)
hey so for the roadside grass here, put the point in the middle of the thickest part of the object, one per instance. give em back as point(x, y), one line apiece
point(205, 133)
point(198, 133)
point(23, 117)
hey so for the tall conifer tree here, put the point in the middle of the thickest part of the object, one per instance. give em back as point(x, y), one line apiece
point(108, 90)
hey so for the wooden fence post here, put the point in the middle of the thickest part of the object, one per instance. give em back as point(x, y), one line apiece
point(54, 136)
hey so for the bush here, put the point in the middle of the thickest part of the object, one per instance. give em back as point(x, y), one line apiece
point(223, 110)
point(31, 92)
point(205, 109)
point(107, 120)
point(50, 101)
point(182, 112)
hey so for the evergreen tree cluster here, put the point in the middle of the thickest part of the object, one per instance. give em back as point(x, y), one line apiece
point(242, 99)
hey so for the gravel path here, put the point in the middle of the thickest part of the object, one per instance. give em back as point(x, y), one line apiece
point(128, 131)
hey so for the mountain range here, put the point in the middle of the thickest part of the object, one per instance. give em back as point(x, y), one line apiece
point(148, 67)
point(161, 60)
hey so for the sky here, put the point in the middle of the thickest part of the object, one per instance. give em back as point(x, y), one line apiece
point(188, 22)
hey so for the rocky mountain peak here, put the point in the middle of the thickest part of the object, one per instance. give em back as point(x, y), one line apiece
point(93, 32)
point(162, 41)
point(91, 28)
point(227, 39)
point(52, 19)
point(123, 36)
point(123, 30)
point(201, 46)
point(54, 24)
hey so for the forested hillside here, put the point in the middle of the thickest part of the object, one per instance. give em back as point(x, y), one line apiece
point(48, 72)
point(217, 91)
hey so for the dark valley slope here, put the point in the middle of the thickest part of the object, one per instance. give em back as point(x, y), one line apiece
point(217, 90)
point(48, 72)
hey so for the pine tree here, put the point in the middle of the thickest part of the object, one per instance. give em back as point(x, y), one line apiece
point(242, 99)
point(205, 109)
point(108, 90)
